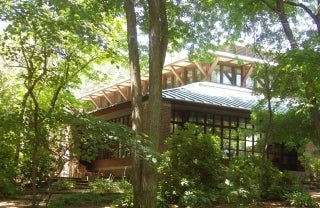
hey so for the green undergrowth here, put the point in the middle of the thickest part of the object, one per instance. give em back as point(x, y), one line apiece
point(83, 199)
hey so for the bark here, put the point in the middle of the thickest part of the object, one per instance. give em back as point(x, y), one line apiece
point(315, 16)
point(158, 41)
point(137, 162)
point(285, 24)
point(279, 9)
point(144, 172)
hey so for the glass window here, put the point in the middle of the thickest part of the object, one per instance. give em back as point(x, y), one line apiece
point(189, 77)
point(215, 76)
point(197, 76)
point(235, 132)
point(238, 77)
point(227, 75)
point(249, 83)
point(169, 82)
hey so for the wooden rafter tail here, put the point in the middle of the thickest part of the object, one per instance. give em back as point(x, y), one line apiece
point(177, 75)
point(94, 101)
point(106, 96)
point(122, 93)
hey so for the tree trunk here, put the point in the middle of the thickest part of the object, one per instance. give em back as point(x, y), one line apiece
point(158, 41)
point(285, 24)
point(144, 172)
point(137, 162)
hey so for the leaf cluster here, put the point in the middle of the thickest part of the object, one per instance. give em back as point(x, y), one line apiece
point(193, 164)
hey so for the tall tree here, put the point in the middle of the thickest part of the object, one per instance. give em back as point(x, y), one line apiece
point(275, 25)
point(145, 172)
point(132, 39)
point(49, 45)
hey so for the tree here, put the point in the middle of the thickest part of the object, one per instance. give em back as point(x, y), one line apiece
point(287, 28)
point(137, 123)
point(145, 173)
point(48, 46)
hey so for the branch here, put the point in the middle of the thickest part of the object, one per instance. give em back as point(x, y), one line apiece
point(268, 4)
point(304, 7)
point(164, 30)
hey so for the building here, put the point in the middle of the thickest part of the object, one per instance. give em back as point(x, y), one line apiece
point(217, 96)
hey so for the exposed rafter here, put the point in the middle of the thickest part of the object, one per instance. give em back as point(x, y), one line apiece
point(212, 67)
point(122, 93)
point(176, 69)
point(201, 69)
point(177, 75)
point(94, 102)
point(107, 97)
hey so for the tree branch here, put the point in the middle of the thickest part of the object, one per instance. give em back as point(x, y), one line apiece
point(304, 7)
point(268, 4)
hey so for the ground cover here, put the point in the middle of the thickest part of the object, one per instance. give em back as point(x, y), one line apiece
point(104, 201)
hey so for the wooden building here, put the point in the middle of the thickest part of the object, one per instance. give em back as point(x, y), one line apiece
point(217, 96)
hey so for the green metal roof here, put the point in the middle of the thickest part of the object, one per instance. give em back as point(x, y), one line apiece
point(213, 94)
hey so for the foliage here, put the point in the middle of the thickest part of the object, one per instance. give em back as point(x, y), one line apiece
point(251, 178)
point(311, 162)
point(46, 48)
point(109, 185)
point(7, 187)
point(82, 199)
point(192, 169)
point(301, 199)
point(63, 184)
point(242, 180)
point(125, 201)
point(102, 185)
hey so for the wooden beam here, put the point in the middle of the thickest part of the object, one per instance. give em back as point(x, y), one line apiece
point(122, 93)
point(107, 97)
point(94, 102)
point(177, 75)
point(201, 69)
point(212, 67)
point(247, 74)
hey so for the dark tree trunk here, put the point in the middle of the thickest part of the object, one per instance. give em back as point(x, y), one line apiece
point(158, 41)
point(285, 24)
point(144, 172)
point(137, 161)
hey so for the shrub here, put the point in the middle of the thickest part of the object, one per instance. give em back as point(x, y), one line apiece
point(63, 184)
point(312, 164)
point(102, 185)
point(108, 185)
point(192, 167)
point(125, 201)
point(82, 200)
point(242, 184)
point(7, 188)
point(251, 178)
point(301, 199)
point(123, 186)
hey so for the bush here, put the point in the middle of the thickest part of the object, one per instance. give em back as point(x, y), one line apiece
point(311, 163)
point(108, 185)
point(124, 186)
point(251, 178)
point(242, 184)
point(192, 167)
point(63, 184)
point(125, 201)
point(82, 200)
point(7, 188)
point(102, 185)
point(301, 199)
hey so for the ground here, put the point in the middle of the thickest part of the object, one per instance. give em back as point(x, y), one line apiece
point(24, 201)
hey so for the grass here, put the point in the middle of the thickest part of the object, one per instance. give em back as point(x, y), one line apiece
point(76, 200)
